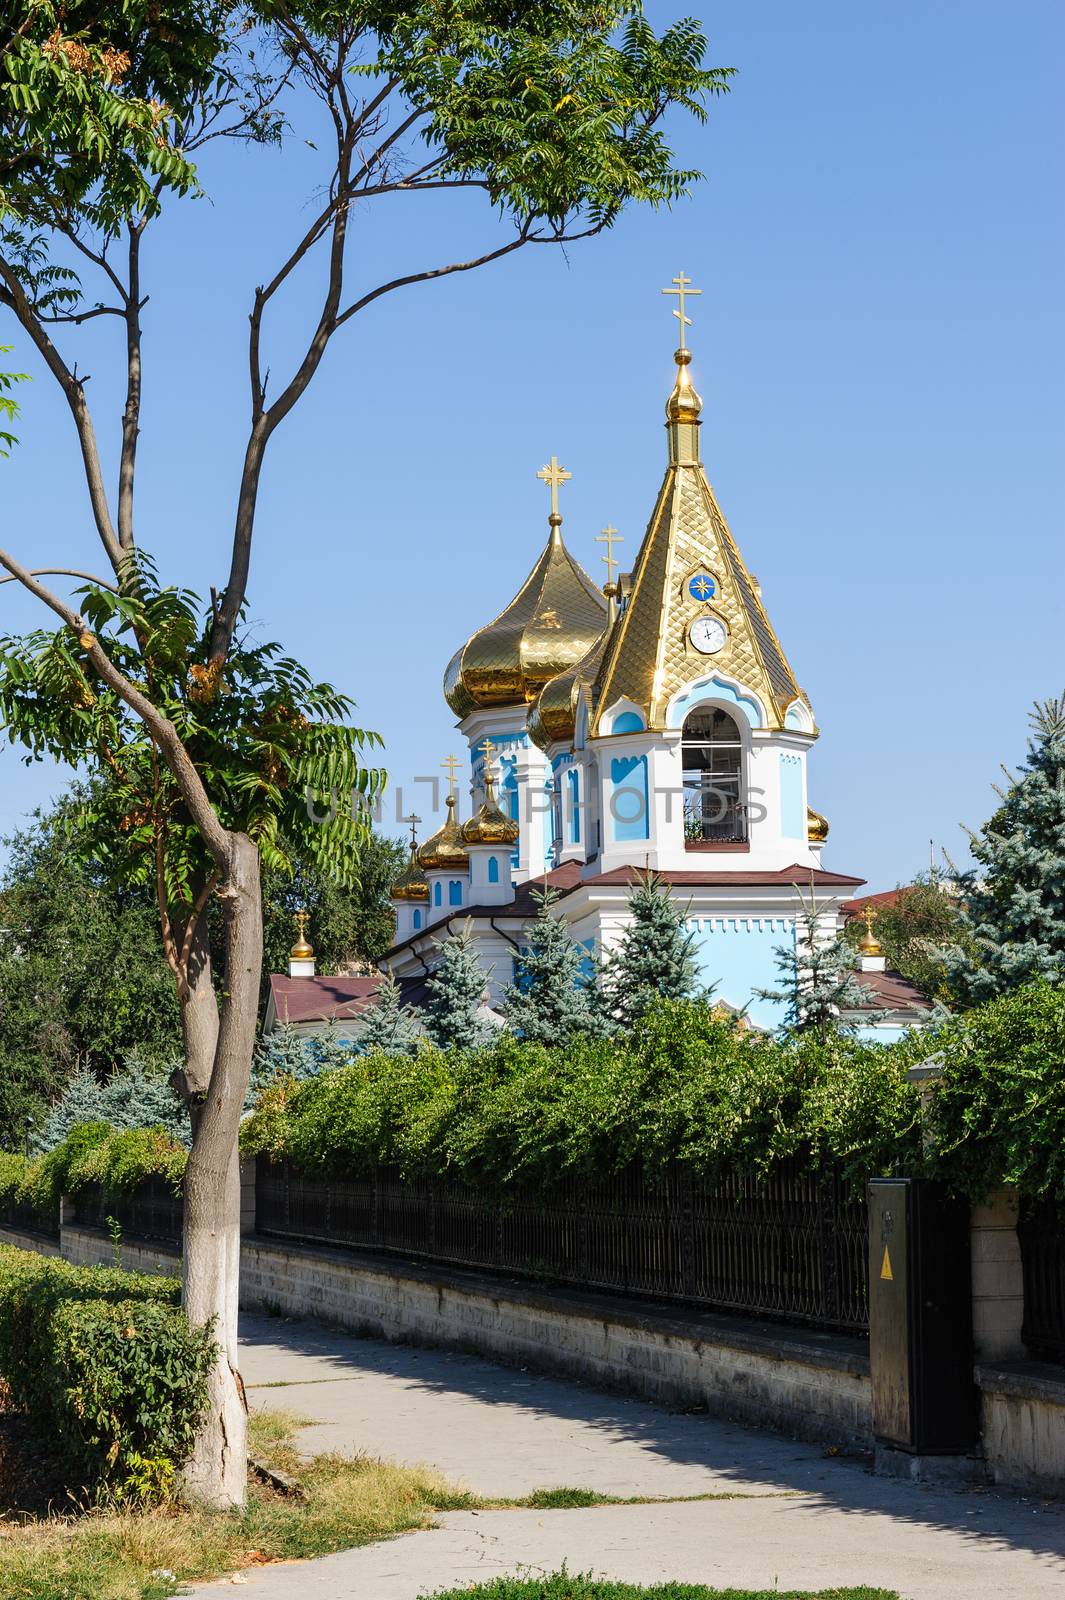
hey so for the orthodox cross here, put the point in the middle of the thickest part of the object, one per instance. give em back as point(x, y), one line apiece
point(489, 751)
point(554, 475)
point(683, 287)
point(301, 919)
point(610, 537)
point(452, 764)
point(412, 822)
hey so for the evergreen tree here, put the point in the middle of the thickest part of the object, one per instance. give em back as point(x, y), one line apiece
point(653, 961)
point(1015, 910)
point(819, 982)
point(552, 997)
point(285, 1051)
point(390, 1026)
point(456, 989)
point(135, 1097)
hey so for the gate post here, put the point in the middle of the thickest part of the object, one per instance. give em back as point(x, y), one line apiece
point(924, 1400)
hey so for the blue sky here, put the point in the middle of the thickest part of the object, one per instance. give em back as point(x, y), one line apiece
point(879, 345)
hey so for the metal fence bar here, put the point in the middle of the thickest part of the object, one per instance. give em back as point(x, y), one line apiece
point(792, 1247)
point(24, 1216)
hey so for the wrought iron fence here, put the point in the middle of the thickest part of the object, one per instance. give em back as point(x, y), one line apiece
point(29, 1218)
point(1041, 1229)
point(151, 1211)
point(792, 1247)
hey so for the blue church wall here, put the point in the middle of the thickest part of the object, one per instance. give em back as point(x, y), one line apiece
point(885, 1035)
point(627, 806)
point(738, 955)
point(792, 813)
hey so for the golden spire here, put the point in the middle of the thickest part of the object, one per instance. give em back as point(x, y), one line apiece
point(445, 852)
point(452, 764)
point(554, 476)
point(411, 883)
point(301, 950)
point(610, 537)
point(683, 287)
point(869, 944)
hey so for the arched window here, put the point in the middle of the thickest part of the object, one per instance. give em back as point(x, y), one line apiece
point(493, 869)
point(714, 812)
point(417, 919)
point(438, 894)
point(454, 892)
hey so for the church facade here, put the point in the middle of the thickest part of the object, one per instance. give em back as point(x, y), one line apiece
point(655, 723)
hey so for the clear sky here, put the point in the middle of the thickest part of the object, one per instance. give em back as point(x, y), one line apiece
point(879, 345)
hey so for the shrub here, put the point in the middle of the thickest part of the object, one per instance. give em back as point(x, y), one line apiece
point(134, 1097)
point(92, 1153)
point(106, 1366)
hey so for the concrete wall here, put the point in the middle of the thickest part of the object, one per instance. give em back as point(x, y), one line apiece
point(1023, 1424)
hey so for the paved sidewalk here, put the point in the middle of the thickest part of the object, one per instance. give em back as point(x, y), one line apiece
point(803, 1519)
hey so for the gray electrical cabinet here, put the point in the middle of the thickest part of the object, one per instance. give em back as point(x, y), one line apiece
point(920, 1318)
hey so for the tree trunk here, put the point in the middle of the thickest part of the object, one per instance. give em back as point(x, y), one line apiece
point(216, 1474)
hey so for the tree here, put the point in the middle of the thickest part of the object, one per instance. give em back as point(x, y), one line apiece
point(285, 1052)
point(134, 1097)
point(218, 748)
point(456, 990)
point(390, 1026)
point(925, 916)
point(653, 960)
point(1015, 899)
point(552, 997)
point(8, 404)
point(83, 981)
point(351, 922)
point(818, 979)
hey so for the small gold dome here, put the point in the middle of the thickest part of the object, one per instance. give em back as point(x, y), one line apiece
point(411, 883)
point(684, 404)
point(816, 826)
point(548, 626)
point(869, 944)
point(302, 950)
point(490, 825)
point(445, 850)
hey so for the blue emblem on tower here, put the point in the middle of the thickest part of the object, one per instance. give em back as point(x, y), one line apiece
point(702, 586)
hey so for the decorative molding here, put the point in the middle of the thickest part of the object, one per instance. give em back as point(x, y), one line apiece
point(716, 687)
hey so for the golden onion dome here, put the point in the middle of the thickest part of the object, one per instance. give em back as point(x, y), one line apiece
point(411, 883)
point(549, 625)
point(869, 944)
point(553, 719)
point(816, 826)
point(684, 404)
point(302, 950)
point(445, 850)
point(490, 825)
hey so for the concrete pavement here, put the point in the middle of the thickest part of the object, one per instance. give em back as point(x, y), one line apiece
point(804, 1519)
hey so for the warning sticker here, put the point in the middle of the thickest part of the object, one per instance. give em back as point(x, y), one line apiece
point(885, 1269)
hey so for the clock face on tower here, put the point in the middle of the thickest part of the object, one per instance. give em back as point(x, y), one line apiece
point(708, 635)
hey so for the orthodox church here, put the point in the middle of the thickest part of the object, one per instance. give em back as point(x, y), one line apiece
point(654, 723)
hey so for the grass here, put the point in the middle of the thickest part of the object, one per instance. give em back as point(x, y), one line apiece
point(149, 1555)
point(560, 1586)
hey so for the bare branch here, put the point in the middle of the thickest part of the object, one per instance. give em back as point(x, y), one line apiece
point(131, 414)
point(74, 390)
point(78, 317)
point(66, 572)
point(203, 815)
point(526, 236)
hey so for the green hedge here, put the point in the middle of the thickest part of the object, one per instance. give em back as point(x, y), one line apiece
point(692, 1084)
point(94, 1155)
point(106, 1366)
point(686, 1083)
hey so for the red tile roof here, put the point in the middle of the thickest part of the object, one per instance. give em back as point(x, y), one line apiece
point(886, 897)
point(786, 876)
point(317, 999)
point(891, 991)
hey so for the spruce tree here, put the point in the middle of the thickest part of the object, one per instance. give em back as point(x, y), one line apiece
point(552, 998)
point(390, 1026)
point(653, 961)
point(1015, 898)
point(133, 1097)
point(456, 989)
point(819, 981)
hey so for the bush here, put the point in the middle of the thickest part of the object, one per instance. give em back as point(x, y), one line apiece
point(133, 1097)
point(686, 1082)
point(106, 1366)
point(94, 1154)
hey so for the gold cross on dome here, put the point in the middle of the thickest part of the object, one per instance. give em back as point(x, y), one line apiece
point(683, 287)
point(610, 537)
point(301, 919)
point(488, 748)
point(412, 822)
point(554, 475)
point(452, 764)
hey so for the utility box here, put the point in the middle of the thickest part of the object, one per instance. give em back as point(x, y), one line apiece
point(920, 1318)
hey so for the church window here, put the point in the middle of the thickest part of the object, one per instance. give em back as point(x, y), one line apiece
point(417, 919)
point(454, 892)
point(574, 783)
point(493, 869)
point(438, 898)
point(714, 810)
